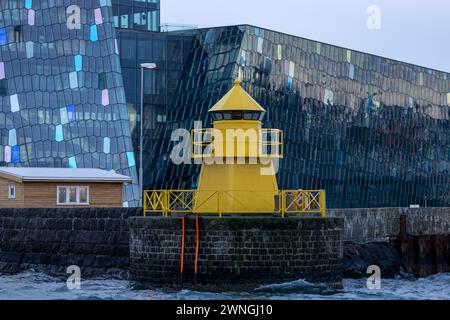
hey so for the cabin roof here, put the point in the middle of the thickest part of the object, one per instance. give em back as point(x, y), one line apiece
point(62, 174)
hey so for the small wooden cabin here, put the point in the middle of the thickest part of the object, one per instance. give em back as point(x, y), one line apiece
point(60, 187)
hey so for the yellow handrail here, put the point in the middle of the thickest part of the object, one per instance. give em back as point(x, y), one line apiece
point(166, 202)
point(204, 138)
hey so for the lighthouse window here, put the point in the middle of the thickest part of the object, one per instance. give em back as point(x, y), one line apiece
point(227, 115)
point(237, 115)
point(217, 116)
point(248, 116)
point(252, 115)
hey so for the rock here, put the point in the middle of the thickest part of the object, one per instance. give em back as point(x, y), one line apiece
point(358, 257)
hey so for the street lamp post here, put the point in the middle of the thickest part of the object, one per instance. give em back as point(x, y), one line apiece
point(147, 66)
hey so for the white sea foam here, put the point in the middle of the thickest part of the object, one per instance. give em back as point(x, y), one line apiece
point(31, 285)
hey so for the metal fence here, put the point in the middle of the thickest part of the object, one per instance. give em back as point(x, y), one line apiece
point(268, 143)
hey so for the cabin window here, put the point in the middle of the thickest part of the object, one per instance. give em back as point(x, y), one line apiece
point(11, 192)
point(73, 195)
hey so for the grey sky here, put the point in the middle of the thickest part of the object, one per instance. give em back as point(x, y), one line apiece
point(415, 31)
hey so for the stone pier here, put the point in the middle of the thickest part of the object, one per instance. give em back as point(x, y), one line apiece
point(235, 253)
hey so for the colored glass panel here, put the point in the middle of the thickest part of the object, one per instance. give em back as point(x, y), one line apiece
point(12, 137)
point(3, 36)
point(93, 33)
point(78, 62)
point(98, 16)
point(14, 100)
point(72, 162)
point(130, 158)
point(73, 78)
point(7, 154)
point(31, 17)
point(59, 133)
point(105, 97)
point(106, 145)
point(2, 70)
point(15, 154)
point(71, 115)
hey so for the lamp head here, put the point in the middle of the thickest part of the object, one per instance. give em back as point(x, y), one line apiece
point(148, 65)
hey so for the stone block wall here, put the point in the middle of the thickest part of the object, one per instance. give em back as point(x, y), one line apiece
point(50, 240)
point(236, 252)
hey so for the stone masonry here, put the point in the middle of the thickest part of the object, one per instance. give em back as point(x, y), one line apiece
point(50, 240)
point(236, 252)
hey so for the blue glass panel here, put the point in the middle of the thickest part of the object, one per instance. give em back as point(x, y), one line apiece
point(59, 134)
point(3, 36)
point(15, 154)
point(72, 162)
point(78, 62)
point(14, 100)
point(12, 137)
point(93, 33)
point(289, 83)
point(71, 115)
point(131, 161)
point(28, 4)
point(106, 145)
point(73, 80)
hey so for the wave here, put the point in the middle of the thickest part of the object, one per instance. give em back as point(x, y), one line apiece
point(31, 285)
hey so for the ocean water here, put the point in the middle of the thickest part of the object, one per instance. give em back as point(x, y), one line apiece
point(37, 286)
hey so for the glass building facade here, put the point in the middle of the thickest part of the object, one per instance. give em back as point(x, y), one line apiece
point(137, 14)
point(372, 131)
point(62, 101)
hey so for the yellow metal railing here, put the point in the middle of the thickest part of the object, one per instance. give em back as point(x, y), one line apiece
point(268, 142)
point(303, 201)
point(285, 202)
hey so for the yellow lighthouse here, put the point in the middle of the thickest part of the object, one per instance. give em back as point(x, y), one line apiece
point(239, 158)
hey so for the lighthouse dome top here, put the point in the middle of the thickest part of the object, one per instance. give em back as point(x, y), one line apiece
point(237, 99)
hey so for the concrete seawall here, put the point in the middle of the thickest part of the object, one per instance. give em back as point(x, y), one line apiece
point(417, 239)
point(49, 240)
point(379, 224)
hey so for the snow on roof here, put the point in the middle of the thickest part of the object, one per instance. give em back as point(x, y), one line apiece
point(63, 174)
